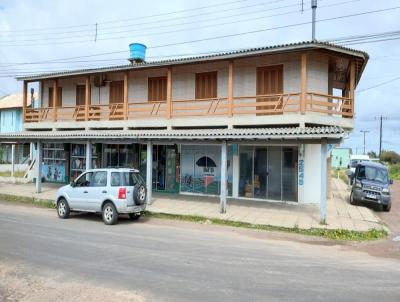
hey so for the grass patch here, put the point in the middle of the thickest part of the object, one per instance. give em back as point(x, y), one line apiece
point(394, 171)
point(341, 174)
point(338, 234)
point(18, 174)
point(43, 203)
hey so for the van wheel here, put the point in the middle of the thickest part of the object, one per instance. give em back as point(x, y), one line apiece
point(387, 207)
point(63, 210)
point(134, 216)
point(110, 215)
point(352, 201)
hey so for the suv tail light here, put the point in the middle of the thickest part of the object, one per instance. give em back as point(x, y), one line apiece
point(122, 193)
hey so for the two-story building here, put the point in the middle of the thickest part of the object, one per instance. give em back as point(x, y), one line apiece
point(246, 124)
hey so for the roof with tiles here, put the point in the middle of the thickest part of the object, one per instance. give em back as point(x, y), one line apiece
point(204, 58)
point(184, 134)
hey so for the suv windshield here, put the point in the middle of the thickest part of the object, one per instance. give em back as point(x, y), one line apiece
point(372, 173)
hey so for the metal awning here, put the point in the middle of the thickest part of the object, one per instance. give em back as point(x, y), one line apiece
point(261, 134)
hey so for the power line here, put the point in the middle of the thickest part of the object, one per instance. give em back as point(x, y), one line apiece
point(124, 20)
point(244, 33)
point(379, 85)
point(100, 34)
point(165, 14)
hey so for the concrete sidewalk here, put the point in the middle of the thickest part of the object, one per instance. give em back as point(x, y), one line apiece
point(341, 215)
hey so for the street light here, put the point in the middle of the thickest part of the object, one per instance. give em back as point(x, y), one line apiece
point(364, 132)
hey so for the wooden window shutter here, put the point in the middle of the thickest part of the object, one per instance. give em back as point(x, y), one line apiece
point(157, 89)
point(269, 82)
point(206, 85)
point(116, 92)
point(80, 95)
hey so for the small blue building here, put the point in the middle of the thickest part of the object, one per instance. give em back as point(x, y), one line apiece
point(11, 121)
point(340, 157)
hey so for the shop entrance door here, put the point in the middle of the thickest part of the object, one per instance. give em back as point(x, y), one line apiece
point(164, 168)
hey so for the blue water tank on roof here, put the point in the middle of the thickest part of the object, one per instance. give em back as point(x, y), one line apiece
point(137, 52)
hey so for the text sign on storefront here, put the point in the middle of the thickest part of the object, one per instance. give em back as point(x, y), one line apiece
point(301, 165)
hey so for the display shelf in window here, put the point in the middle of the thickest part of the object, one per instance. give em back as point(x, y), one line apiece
point(54, 167)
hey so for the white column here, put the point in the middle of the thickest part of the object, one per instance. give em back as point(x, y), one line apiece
point(88, 155)
point(31, 147)
point(223, 178)
point(235, 171)
point(12, 160)
point(323, 181)
point(149, 168)
point(38, 171)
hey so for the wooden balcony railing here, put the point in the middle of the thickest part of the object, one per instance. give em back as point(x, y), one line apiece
point(328, 104)
point(258, 105)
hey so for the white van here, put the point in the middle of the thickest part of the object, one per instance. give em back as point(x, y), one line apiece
point(355, 159)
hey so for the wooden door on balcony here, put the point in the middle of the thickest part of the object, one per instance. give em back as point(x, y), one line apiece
point(269, 82)
point(59, 97)
point(79, 113)
point(206, 85)
point(116, 100)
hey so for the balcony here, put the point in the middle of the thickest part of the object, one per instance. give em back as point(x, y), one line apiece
point(248, 106)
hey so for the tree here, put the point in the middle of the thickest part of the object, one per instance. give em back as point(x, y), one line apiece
point(372, 154)
point(390, 157)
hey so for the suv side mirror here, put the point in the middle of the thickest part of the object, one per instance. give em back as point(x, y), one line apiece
point(390, 181)
point(73, 184)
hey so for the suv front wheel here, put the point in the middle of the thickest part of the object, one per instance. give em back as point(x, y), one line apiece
point(110, 215)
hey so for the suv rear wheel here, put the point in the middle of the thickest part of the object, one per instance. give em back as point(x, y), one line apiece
point(63, 210)
point(110, 214)
point(139, 194)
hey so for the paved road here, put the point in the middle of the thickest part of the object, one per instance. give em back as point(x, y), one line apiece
point(393, 217)
point(174, 261)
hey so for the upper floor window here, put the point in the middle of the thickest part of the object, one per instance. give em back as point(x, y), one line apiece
point(80, 95)
point(59, 97)
point(157, 89)
point(270, 80)
point(206, 85)
point(116, 92)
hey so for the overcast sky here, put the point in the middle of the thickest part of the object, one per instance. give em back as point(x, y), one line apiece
point(43, 30)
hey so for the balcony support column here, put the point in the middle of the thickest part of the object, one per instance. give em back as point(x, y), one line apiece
point(230, 88)
point(222, 198)
point(24, 100)
point(88, 155)
point(169, 93)
point(126, 94)
point(352, 84)
point(12, 160)
point(149, 170)
point(87, 97)
point(303, 78)
point(55, 99)
point(38, 170)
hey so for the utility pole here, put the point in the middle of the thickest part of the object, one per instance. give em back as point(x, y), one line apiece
point(381, 118)
point(314, 14)
point(364, 131)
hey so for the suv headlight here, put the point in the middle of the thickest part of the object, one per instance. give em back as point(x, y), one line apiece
point(386, 191)
point(357, 185)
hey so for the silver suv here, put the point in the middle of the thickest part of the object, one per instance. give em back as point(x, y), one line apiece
point(107, 191)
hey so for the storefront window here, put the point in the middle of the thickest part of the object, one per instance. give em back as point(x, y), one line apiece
point(118, 156)
point(201, 169)
point(55, 163)
point(268, 172)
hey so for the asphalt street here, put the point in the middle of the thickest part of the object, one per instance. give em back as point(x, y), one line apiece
point(177, 261)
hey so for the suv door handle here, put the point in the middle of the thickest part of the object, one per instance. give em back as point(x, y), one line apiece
point(104, 191)
point(85, 191)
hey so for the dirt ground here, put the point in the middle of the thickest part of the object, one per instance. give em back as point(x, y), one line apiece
point(18, 283)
